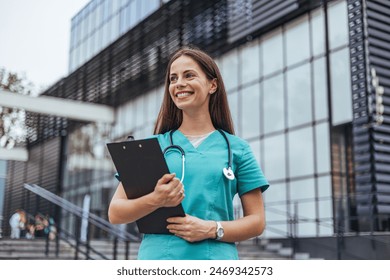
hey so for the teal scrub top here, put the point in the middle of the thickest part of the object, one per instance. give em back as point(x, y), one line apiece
point(208, 193)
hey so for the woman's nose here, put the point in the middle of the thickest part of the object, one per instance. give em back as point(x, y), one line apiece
point(180, 82)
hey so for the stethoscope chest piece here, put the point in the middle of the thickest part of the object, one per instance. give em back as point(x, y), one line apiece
point(228, 172)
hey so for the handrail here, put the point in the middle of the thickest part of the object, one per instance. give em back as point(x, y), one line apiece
point(117, 233)
point(78, 211)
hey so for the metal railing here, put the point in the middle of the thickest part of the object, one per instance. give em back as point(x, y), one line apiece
point(83, 247)
point(339, 225)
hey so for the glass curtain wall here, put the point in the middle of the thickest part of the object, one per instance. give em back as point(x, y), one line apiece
point(101, 22)
point(279, 95)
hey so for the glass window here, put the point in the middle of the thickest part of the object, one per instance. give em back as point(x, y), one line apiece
point(88, 21)
point(123, 20)
point(300, 151)
point(140, 110)
point(275, 212)
point(273, 104)
point(230, 70)
point(299, 96)
point(105, 34)
point(106, 10)
point(275, 157)
point(341, 87)
point(320, 89)
point(151, 109)
point(233, 104)
point(134, 15)
point(99, 12)
point(318, 32)
point(2, 194)
point(115, 6)
point(115, 27)
point(3, 168)
point(325, 208)
point(301, 193)
point(322, 147)
point(148, 7)
point(301, 190)
point(272, 52)
point(297, 41)
point(338, 24)
point(250, 61)
point(250, 111)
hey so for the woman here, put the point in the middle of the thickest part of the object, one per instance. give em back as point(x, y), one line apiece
point(195, 116)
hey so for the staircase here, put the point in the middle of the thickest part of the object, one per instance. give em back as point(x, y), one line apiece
point(33, 249)
point(25, 249)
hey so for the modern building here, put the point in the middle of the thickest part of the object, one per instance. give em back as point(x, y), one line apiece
point(101, 22)
point(309, 88)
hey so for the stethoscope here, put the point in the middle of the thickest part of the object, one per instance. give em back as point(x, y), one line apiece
point(227, 171)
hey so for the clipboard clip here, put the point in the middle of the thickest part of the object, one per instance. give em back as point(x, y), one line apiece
point(130, 138)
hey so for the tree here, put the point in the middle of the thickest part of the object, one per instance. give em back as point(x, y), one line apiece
point(12, 120)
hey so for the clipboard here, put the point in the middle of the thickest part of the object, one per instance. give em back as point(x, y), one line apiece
point(140, 164)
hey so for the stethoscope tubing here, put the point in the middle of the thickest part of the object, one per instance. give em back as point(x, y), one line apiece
point(227, 171)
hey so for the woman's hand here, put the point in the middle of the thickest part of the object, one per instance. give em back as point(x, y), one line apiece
point(169, 191)
point(191, 228)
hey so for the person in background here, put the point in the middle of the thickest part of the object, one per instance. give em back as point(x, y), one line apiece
point(195, 116)
point(17, 223)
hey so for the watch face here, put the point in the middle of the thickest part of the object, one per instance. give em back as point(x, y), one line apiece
point(220, 232)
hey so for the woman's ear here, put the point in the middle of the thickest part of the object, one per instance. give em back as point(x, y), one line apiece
point(213, 86)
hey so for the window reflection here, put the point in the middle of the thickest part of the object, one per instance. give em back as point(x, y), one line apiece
point(275, 157)
point(338, 24)
point(272, 53)
point(233, 104)
point(230, 70)
point(318, 32)
point(297, 41)
point(276, 212)
point(299, 96)
point(325, 205)
point(320, 89)
point(322, 148)
point(341, 87)
point(250, 66)
point(250, 111)
point(273, 109)
point(300, 152)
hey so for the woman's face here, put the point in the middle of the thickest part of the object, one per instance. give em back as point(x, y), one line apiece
point(189, 87)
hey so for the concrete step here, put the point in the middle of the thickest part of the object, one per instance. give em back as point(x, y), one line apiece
point(35, 249)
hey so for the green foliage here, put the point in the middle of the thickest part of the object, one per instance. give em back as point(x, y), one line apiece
point(12, 120)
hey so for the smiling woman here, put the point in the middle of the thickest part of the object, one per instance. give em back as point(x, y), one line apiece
point(195, 120)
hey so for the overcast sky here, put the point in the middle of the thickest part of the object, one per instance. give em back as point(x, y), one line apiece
point(34, 38)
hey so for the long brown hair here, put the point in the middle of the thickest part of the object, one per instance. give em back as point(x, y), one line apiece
point(170, 117)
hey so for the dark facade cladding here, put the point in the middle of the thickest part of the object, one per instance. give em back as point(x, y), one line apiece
point(369, 23)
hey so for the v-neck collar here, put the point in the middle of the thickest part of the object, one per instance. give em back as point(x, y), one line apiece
point(187, 143)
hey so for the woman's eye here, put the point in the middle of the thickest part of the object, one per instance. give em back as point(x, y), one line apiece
point(173, 78)
point(189, 75)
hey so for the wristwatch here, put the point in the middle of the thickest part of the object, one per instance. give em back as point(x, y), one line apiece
point(219, 232)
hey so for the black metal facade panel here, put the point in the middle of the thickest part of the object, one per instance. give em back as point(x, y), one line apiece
point(361, 114)
point(369, 22)
point(378, 29)
point(41, 169)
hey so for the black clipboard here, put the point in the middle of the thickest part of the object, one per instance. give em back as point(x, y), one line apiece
point(140, 164)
